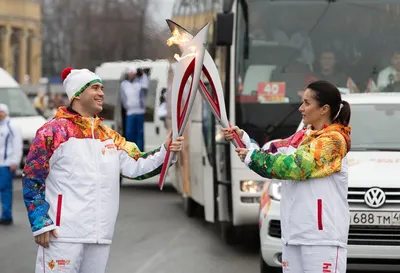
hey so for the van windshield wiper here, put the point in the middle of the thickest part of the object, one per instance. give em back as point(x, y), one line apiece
point(381, 149)
point(15, 115)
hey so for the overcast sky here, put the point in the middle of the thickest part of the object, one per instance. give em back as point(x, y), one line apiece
point(162, 11)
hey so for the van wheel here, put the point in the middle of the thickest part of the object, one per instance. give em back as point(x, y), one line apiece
point(189, 206)
point(264, 268)
point(228, 233)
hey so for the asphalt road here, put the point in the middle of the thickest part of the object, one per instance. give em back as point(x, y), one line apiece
point(153, 235)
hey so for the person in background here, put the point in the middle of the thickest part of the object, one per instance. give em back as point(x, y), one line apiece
point(327, 69)
point(134, 104)
point(11, 150)
point(390, 74)
point(145, 81)
point(162, 110)
point(41, 102)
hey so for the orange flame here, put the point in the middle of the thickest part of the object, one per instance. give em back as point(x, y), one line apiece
point(178, 39)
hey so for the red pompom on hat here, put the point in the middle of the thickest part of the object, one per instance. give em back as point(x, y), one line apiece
point(65, 73)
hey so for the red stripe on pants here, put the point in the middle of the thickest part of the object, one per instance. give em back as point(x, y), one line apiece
point(319, 213)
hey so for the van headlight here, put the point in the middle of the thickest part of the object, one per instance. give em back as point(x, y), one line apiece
point(251, 186)
point(274, 190)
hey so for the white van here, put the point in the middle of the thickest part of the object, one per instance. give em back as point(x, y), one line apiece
point(22, 112)
point(154, 130)
point(374, 189)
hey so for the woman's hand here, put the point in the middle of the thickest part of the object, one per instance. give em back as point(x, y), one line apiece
point(242, 153)
point(176, 146)
point(228, 132)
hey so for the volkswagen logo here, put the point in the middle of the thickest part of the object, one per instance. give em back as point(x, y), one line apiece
point(375, 197)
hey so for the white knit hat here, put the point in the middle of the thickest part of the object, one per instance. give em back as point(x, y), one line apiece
point(131, 69)
point(75, 81)
point(4, 108)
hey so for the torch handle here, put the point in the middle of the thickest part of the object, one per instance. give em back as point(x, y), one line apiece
point(236, 138)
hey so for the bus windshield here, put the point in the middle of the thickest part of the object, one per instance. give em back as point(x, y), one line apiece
point(352, 44)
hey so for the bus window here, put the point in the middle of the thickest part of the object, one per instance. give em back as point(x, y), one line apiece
point(292, 43)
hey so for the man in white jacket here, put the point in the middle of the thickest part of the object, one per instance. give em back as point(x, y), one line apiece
point(10, 157)
point(71, 179)
point(133, 101)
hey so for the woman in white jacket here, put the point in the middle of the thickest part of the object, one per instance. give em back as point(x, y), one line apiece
point(312, 165)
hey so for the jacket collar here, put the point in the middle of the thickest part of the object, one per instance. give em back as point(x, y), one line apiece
point(71, 114)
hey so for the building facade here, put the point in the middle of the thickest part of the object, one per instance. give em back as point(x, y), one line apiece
point(20, 39)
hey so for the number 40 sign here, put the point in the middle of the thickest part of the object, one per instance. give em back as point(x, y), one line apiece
point(271, 91)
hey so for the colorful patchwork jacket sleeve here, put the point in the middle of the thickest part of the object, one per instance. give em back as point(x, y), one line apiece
point(273, 147)
point(135, 164)
point(319, 157)
point(33, 181)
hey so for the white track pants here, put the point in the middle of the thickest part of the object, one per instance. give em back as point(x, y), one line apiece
point(72, 258)
point(314, 259)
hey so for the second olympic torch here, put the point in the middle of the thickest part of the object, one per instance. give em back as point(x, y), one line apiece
point(190, 64)
point(194, 61)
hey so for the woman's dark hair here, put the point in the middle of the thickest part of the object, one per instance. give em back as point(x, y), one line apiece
point(327, 93)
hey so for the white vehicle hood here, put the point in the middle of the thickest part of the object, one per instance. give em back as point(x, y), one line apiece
point(28, 125)
point(368, 169)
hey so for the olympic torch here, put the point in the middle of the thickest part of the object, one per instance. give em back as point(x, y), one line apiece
point(215, 100)
point(190, 64)
point(194, 61)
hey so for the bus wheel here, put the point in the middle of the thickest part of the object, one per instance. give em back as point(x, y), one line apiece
point(189, 206)
point(228, 232)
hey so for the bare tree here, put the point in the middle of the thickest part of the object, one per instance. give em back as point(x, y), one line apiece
point(85, 33)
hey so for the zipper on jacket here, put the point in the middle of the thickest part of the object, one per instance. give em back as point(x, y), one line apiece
point(97, 186)
point(59, 207)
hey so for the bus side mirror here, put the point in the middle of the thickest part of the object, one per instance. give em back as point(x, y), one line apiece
point(227, 6)
point(224, 29)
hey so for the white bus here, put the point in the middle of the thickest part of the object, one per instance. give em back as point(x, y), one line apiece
point(267, 52)
point(210, 178)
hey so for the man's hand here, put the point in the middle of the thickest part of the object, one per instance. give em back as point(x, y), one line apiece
point(44, 238)
point(13, 168)
point(176, 146)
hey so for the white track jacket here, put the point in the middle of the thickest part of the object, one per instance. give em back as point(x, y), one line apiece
point(71, 177)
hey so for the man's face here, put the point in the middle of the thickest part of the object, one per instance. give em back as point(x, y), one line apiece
point(327, 61)
point(396, 61)
point(3, 115)
point(92, 98)
point(132, 75)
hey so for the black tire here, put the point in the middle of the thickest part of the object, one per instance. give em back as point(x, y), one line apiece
point(228, 233)
point(264, 268)
point(189, 206)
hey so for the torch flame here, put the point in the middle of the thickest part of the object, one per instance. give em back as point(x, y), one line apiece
point(178, 39)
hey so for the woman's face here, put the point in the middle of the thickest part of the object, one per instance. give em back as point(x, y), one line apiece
point(311, 112)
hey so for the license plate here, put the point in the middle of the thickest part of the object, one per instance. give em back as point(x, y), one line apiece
point(376, 218)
